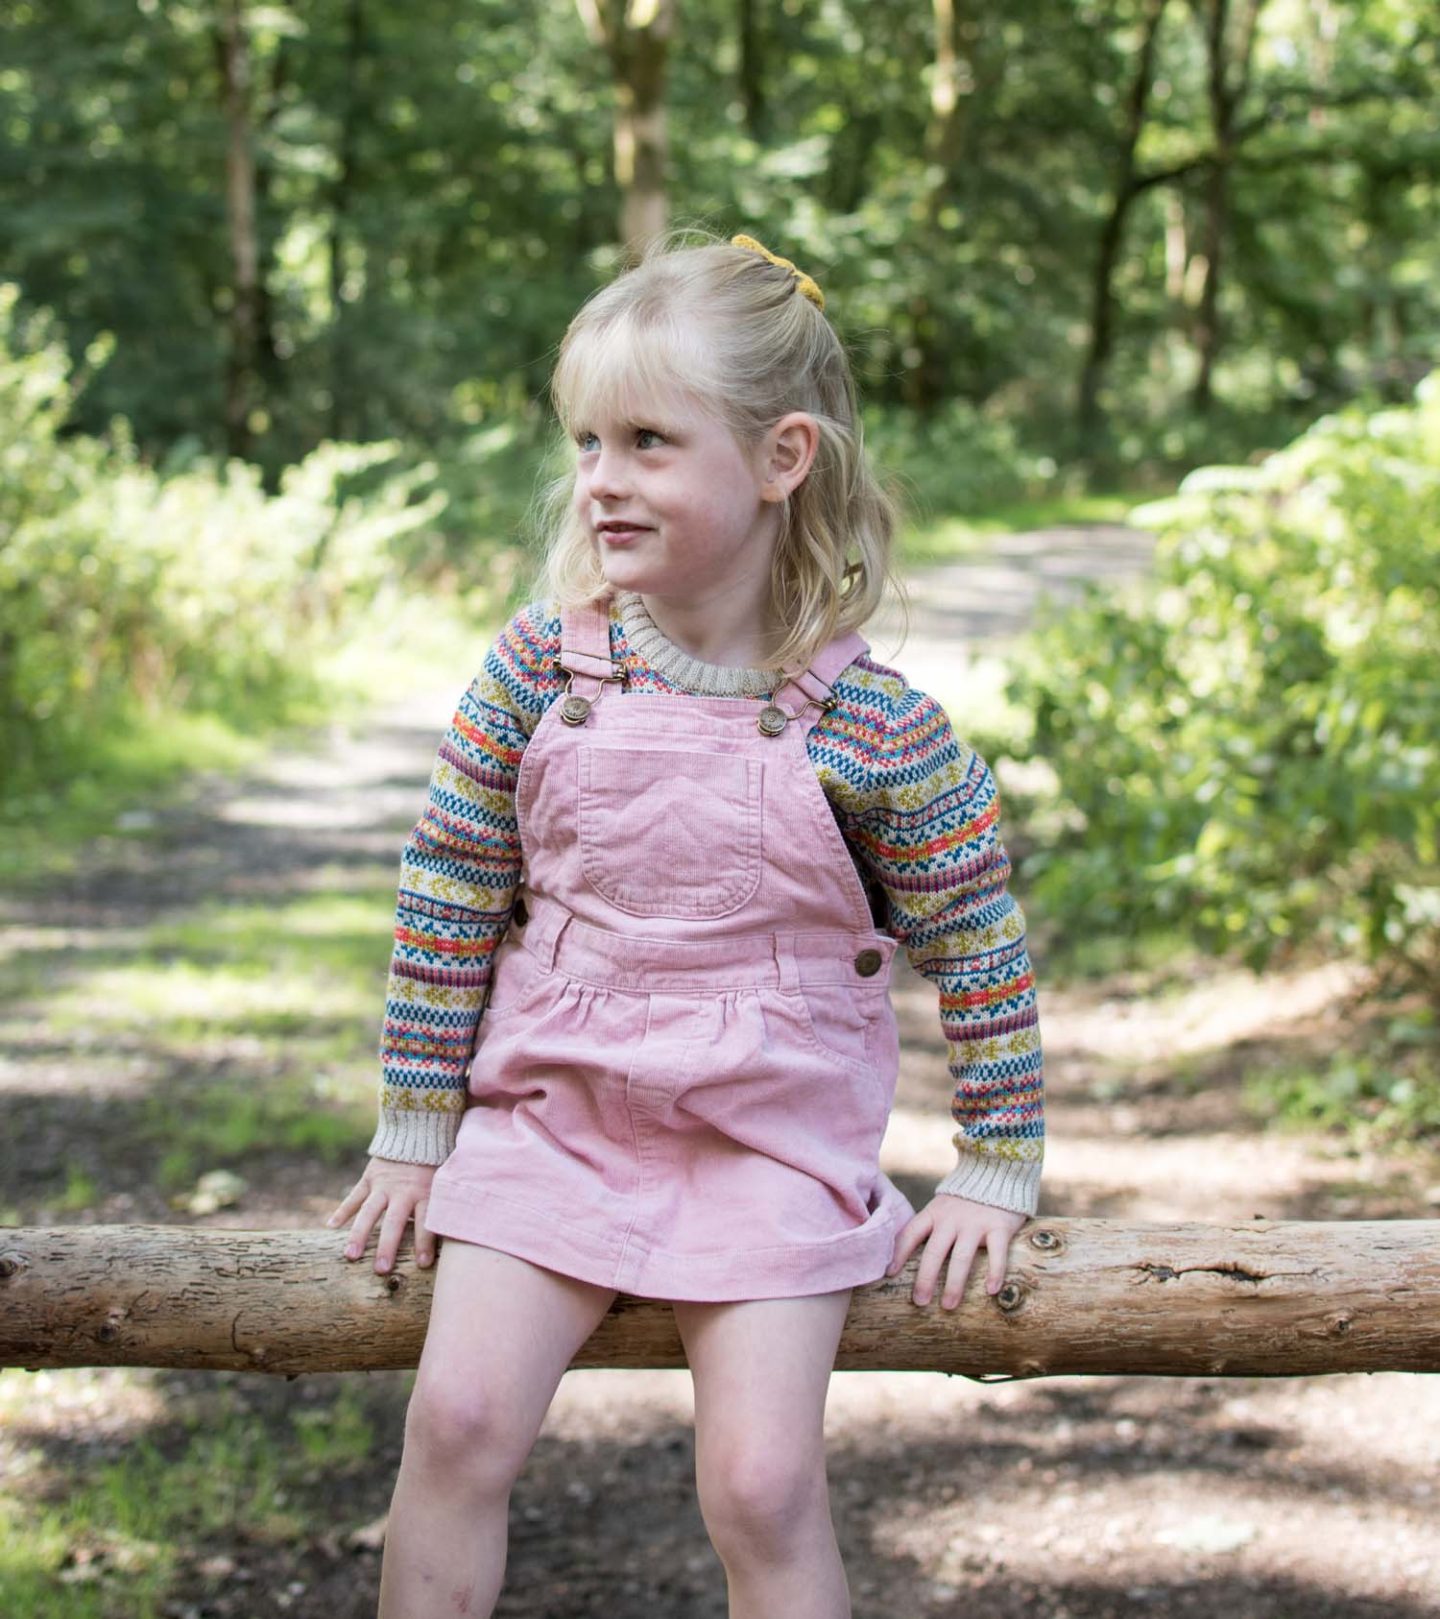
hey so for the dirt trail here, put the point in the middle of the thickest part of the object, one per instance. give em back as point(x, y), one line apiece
point(1069, 1498)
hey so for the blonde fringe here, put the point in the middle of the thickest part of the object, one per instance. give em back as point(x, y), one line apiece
point(749, 350)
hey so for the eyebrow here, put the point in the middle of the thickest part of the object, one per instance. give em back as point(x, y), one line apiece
point(655, 424)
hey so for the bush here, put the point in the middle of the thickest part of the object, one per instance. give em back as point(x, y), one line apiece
point(120, 587)
point(1246, 743)
point(960, 460)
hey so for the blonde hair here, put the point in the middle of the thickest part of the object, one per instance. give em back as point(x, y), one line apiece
point(721, 325)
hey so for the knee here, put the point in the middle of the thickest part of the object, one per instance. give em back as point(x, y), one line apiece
point(756, 1500)
point(467, 1433)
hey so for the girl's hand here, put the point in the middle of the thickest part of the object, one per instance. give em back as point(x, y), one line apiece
point(398, 1191)
point(962, 1224)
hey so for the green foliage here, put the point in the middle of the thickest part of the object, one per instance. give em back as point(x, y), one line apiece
point(1246, 744)
point(959, 460)
point(1374, 1098)
point(435, 194)
point(339, 1437)
point(120, 588)
point(123, 1534)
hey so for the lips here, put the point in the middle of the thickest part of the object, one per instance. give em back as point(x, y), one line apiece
point(615, 533)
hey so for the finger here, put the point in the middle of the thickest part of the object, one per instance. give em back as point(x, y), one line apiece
point(351, 1201)
point(997, 1245)
point(909, 1240)
point(958, 1274)
point(370, 1211)
point(424, 1240)
point(929, 1272)
point(392, 1229)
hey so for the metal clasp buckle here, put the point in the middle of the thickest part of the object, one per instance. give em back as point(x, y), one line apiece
point(575, 709)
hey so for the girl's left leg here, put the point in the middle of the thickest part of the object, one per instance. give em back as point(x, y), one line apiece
point(762, 1370)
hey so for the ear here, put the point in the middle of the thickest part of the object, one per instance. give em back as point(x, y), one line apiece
point(788, 454)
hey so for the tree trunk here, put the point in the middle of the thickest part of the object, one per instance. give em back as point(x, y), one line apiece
point(269, 368)
point(1102, 297)
point(951, 90)
point(1081, 1296)
point(635, 35)
point(1226, 92)
point(232, 48)
point(752, 70)
point(930, 377)
point(343, 411)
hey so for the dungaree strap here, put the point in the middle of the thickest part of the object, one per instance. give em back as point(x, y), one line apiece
point(804, 691)
point(585, 653)
point(585, 647)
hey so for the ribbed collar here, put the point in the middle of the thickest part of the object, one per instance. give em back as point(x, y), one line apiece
point(705, 679)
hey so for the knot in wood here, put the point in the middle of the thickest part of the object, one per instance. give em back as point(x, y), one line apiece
point(393, 1284)
point(1011, 1296)
point(11, 1264)
point(1047, 1240)
point(1341, 1324)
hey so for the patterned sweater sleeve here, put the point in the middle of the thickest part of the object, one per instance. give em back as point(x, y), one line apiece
point(927, 828)
point(459, 870)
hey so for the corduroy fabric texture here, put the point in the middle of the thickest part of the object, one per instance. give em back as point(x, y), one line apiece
point(919, 813)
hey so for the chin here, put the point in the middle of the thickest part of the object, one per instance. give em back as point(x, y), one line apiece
point(621, 571)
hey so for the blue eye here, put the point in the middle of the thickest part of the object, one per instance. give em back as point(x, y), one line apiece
point(640, 433)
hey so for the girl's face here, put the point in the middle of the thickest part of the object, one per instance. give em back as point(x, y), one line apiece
point(694, 503)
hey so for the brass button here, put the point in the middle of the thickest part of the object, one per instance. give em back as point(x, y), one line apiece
point(771, 720)
point(521, 915)
point(868, 963)
point(574, 710)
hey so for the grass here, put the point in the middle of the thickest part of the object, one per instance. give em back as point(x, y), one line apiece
point(1382, 1094)
point(252, 1029)
point(123, 1531)
point(103, 794)
point(953, 537)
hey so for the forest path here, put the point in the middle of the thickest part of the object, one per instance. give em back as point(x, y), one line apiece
point(1059, 1498)
point(977, 605)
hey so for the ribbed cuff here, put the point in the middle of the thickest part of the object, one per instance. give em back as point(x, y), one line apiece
point(414, 1136)
point(1007, 1183)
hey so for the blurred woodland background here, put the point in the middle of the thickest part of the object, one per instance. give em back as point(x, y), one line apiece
point(280, 288)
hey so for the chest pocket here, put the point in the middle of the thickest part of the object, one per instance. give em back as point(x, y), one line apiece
point(664, 832)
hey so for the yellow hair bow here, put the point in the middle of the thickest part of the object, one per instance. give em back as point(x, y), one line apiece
point(808, 287)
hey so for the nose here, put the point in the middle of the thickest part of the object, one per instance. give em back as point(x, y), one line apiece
point(608, 475)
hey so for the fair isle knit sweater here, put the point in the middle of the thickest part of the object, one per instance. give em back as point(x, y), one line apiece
point(919, 812)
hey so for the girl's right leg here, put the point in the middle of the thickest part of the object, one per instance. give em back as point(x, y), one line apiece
point(502, 1333)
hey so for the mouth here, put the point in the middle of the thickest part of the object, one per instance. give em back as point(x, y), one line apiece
point(615, 533)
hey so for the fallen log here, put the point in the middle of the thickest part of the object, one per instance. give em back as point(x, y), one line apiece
point(1280, 1298)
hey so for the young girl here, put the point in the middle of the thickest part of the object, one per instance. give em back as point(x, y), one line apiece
point(678, 828)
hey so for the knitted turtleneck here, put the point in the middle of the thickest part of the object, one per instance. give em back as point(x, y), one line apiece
point(707, 679)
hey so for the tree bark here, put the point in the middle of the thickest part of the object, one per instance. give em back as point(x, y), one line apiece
point(635, 35)
point(1102, 298)
point(1226, 89)
point(953, 88)
point(1081, 1296)
point(232, 48)
point(752, 69)
point(344, 408)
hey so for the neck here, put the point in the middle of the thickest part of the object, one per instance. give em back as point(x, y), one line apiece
point(725, 631)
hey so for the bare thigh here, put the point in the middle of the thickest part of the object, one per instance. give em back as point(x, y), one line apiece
point(502, 1333)
point(762, 1371)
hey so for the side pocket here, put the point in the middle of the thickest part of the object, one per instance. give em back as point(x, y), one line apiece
point(842, 1021)
point(513, 971)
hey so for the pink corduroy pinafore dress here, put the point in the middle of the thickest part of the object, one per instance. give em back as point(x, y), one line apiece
point(688, 1058)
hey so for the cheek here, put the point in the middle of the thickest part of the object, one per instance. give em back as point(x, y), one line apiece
point(714, 505)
